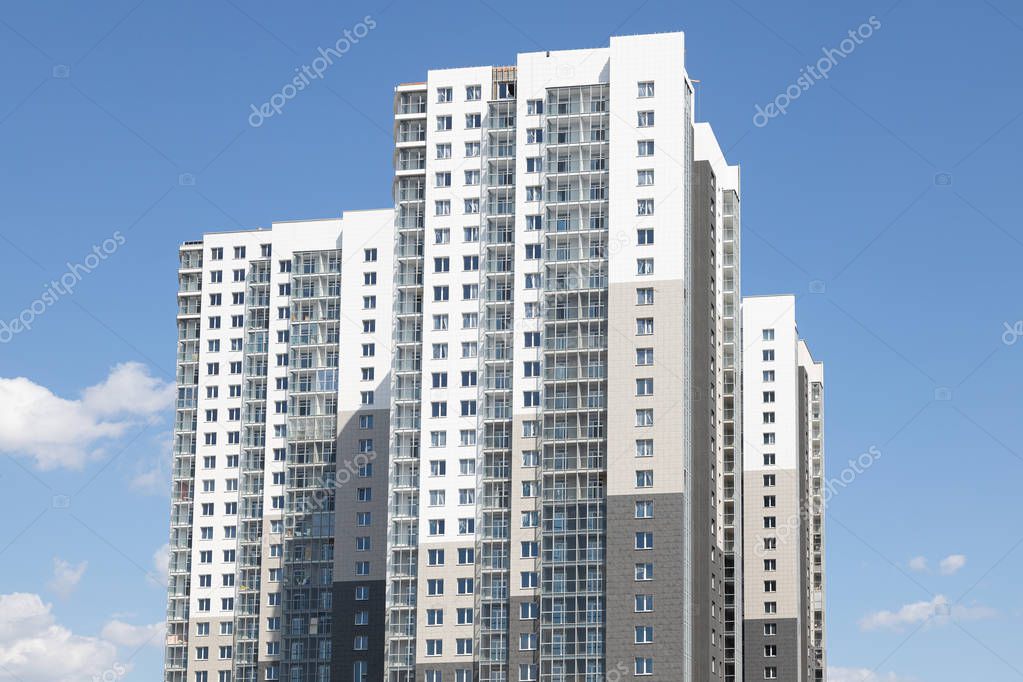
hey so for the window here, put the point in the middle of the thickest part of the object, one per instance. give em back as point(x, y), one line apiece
point(770, 607)
point(645, 296)
point(644, 207)
point(644, 326)
point(645, 119)
point(644, 540)
point(644, 634)
point(645, 148)
point(644, 666)
point(768, 396)
point(444, 151)
point(473, 121)
point(434, 647)
point(769, 480)
point(768, 355)
point(767, 335)
point(442, 208)
point(443, 123)
point(534, 106)
point(769, 459)
point(645, 447)
point(646, 89)
point(644, 572)
point(472, 150)
point(443, 95)
point(534, 135)
point(645, 236)
point(770, 629)
point(644, 356)
point(644, 386)
point(644, 603)
point(645, 178)
point(768, 375)
point(645, 417)
point(529, 579)
point(644, 478)
point(770, 586)
point(473, 93)
point(442, 179)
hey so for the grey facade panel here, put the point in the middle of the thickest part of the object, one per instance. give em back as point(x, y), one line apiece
point(702, 398)
point(669, 528)
point(789, 660)
point(517, 627)
point(345, 630)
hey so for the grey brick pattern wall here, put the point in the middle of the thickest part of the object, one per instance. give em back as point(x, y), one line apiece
point(789, 660)
point(669, 527)
point(345, 630)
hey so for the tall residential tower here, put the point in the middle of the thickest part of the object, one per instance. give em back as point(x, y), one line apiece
point(783, 472)
point(495, 433)
point(564, 493)
point(283, 373)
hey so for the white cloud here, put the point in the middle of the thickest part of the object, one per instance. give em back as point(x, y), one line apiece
point(918, 564)
point(34, 648)
point(836, 674)
point(134, 636)
point(938, 611)
point(66, 576)
point(951, 564)
point(128, 389)
point(61, 432)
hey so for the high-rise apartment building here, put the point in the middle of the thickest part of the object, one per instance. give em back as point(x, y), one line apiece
point(783, 474)
point(493, 434)
point(283, 373)
point(566, 374)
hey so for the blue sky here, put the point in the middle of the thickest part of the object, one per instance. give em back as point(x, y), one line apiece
point(882, 198)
